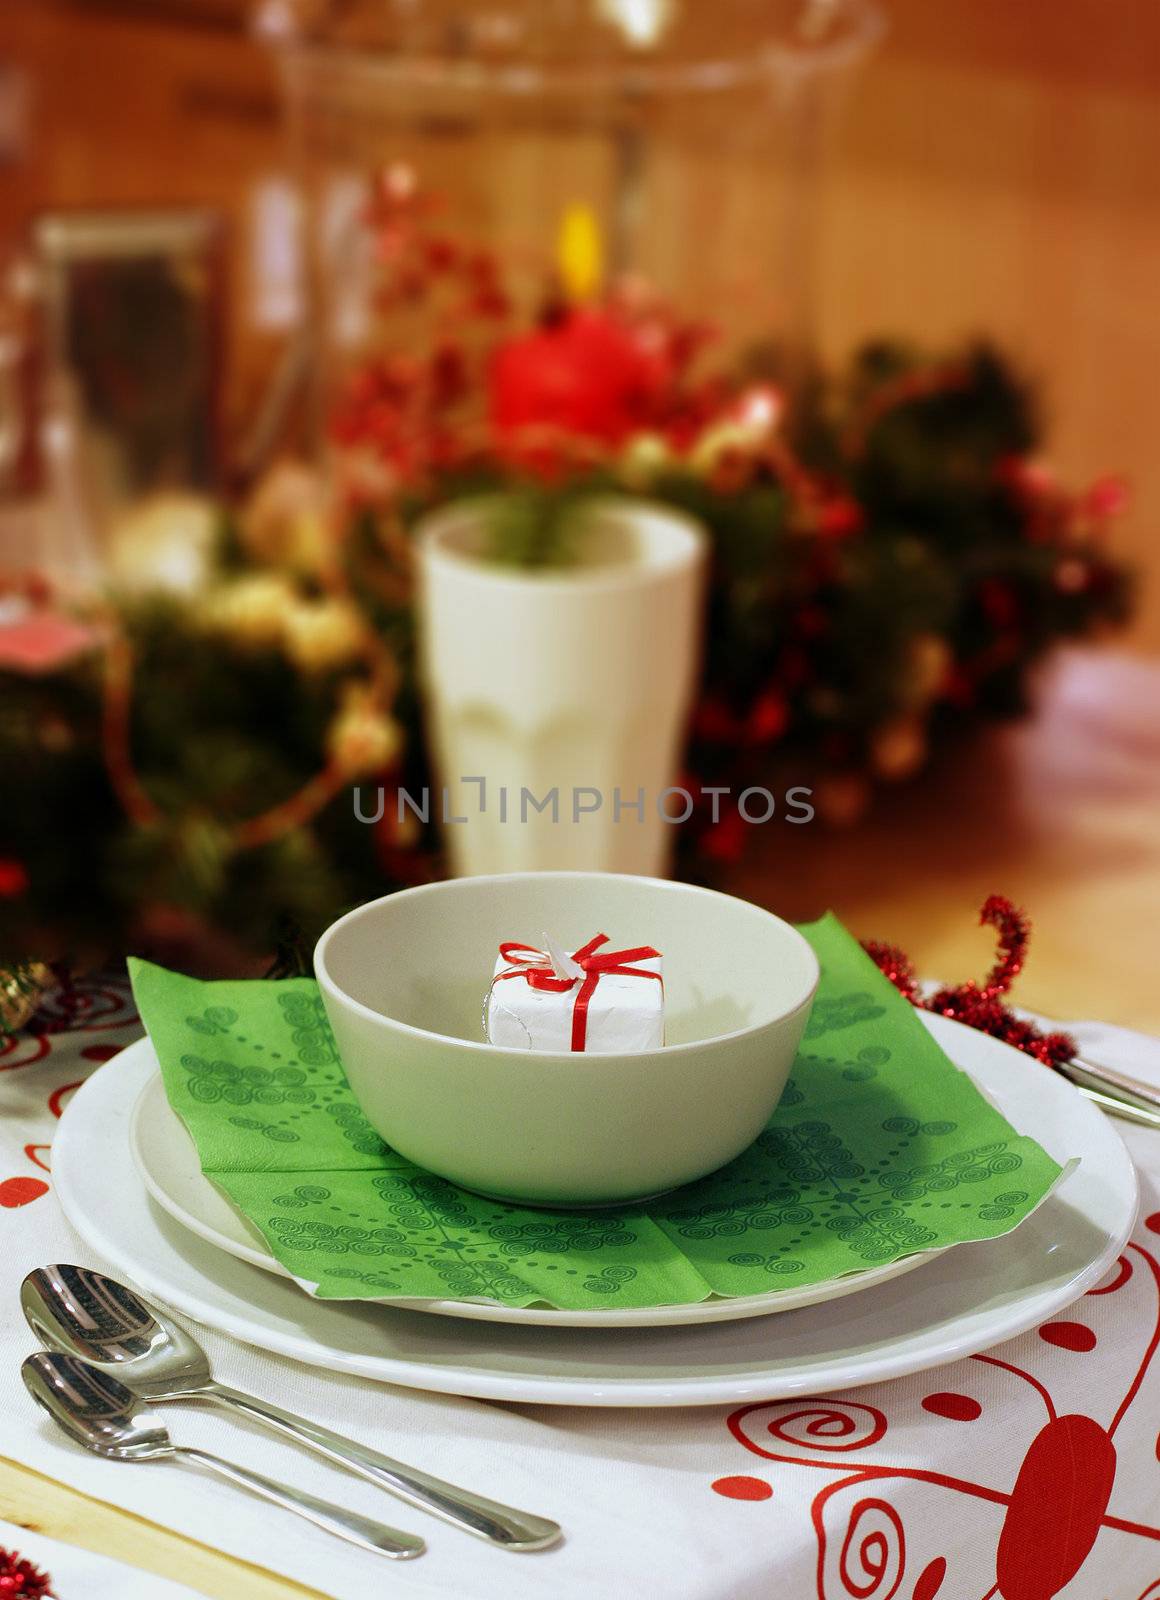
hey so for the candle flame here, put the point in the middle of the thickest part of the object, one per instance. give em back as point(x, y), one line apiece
point(580, 252)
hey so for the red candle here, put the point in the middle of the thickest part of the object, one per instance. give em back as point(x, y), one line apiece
point(586, 374)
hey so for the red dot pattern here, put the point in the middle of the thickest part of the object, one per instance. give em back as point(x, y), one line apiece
point(955, 1407)
point(101, 1052)
point(1056, 1508)
point(930, 1579)
point(1068, 1335)
point(19, 1191)
point(1152, 1223)
point(743, 1487)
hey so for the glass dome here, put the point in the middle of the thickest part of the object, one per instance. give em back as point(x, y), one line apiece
point(694, 137)
point(566, 47)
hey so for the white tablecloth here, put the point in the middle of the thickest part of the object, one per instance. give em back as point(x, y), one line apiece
point(943, 1486)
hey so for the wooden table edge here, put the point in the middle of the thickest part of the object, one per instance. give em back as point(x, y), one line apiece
point(31, 1500)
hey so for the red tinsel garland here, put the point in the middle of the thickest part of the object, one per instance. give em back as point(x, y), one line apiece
point(981, 1005)
point(20, 1580)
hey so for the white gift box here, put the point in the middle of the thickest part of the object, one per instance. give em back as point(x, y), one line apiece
point(598, 1000)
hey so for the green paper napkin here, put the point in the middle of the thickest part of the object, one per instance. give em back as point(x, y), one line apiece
point(880, 1147)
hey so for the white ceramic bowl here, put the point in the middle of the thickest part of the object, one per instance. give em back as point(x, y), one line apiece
point(404, 978)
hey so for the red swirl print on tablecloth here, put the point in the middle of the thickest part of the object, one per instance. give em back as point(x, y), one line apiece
point(22, 1189)
point(873, 1554)
point(54, 1042)
point(22, 1050)
point(826, 1425)
point(890, 1532)
point(88, 1006)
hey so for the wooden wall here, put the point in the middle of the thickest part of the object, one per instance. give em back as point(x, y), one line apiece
point(1000, 171)
point(127, 110)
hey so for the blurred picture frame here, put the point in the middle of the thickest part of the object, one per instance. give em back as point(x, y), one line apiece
point(133, 305)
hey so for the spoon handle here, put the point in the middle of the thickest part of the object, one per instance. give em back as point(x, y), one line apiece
point(503, 1525)
point(1117, 1085)
point(346, 1525)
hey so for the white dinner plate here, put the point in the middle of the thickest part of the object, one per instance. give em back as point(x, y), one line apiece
point(167, 1159)
point(972, 1297)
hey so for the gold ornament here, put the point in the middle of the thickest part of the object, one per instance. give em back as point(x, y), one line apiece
point(320, 635)
point(841, 799)
point(743, 432)
point(722, 441)
point(406, 831)
point(167, 545)
point(644, 457)
point(362, 738)
point(251, 609)
point(898, 748)
point(22, 991)
point(928, 660)
point(286, 521)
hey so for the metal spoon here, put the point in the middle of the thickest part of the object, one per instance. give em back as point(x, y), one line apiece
point(85, 1313)
point(110, 1420)
point(1120, 1093)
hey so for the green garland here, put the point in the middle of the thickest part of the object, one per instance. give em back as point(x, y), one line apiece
point(938, 569)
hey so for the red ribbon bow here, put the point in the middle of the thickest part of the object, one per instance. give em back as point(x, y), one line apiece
point(536, 966)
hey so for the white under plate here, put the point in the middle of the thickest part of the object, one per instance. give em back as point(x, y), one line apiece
point(167, 1160)
point(974, 1296)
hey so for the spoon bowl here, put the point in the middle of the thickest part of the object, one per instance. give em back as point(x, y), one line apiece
point(84, 1313)
point(94, 1409)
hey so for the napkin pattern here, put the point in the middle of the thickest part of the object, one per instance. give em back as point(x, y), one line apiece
point(880, 1147)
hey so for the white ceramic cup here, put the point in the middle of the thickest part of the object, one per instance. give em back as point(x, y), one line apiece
point(404, 978)
point(570, 681)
